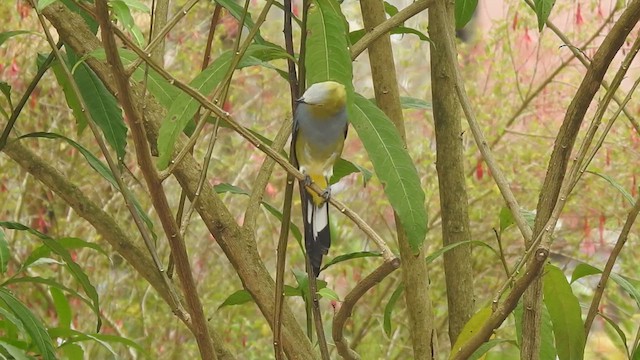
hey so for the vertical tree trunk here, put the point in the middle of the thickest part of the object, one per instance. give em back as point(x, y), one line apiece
point(414, 268)
point(450, 168)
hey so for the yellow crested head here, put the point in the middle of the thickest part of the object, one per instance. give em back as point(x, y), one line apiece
point(325, 98)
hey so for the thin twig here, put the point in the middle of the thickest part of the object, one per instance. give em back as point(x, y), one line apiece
point(220, 89)
point(608, 268)
point(349, 303)
point(158, 197)
point(266, 169)
point(175, 303)
point(387, 254)
point(25, 97)
point(397, 19)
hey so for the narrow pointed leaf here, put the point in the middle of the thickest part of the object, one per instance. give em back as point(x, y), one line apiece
point(32, 325)
point(328, 56)
point(464, 10)
point(102, 106)
point(581, 270)
point(14, 351)
point(616, 185)
point(394, 168)
point(388, 309)
point(237, 298)
point(184, 107)
point(565, 312)
point(6, 35)
point(73, 268)
point(4, 253)
point(470, 328)
point(350, 256)
point(44, 3)
point(123, 14)
point(101, 168)
point(543, 10)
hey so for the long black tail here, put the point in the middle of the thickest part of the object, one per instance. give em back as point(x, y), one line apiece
point(317, 237)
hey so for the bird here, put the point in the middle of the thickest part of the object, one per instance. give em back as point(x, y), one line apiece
point(319, 129)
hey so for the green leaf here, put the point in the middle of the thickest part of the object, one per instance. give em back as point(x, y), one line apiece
point(431, 257)
point(158, 86)
point(414, 103)
point(464, 10)
point(72, 351)
point(122, 12)
point(583, 270)
point(5, 88)
point(394, 168)
point(328, 56)
point(69, 94)
point(52, 284)
point(626, 284)
point(5, 255)
point(101, 169)
point(565, 312)
point(390, 9)
point(102, 106)
point(329, 294)
point(616, 185)
point(506, 217)
point(237, 298)
point(617, 329)
point(543, 10)
point(403, 30)
point(485, 347)
point(137, 5)
point(344, 168)
point(43, 4)
point(32, 325)
point(388, 309)
point(350, 256)
point(73, 268)
point(547, 346)
point(470, 328)
point(74, 336)
point(63, 309)
point(184, 107)
point(6, 35)
point(14, 351)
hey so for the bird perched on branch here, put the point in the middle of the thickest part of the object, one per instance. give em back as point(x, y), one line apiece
point(319, 130)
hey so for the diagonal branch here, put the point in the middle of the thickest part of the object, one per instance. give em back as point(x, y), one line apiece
point(158, 197)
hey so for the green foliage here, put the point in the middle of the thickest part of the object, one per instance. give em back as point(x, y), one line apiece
point(101, 104)
point(566, 318)
point(543, 10)
point(43, 4)
point(30, 323)
point(6, 35)
point(99, 167)
point(122, 11)
point(393, 166)
point(350, 256)
point(237, 12)
point(388, 309)
point(184, 107)
point(616, 185)
point(328, 55)
point(464, 10)
point(4, 253)
point(470, 328)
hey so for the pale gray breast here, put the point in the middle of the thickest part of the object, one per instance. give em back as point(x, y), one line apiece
point(321, 134)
